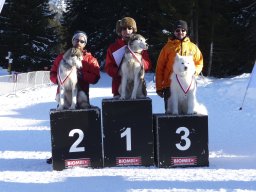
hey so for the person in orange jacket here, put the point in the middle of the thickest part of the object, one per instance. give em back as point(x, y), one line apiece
point(180, 43)
point(90, 72)
point(124, 28)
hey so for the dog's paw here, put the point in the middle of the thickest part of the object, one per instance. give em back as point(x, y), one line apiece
point(122, 97)
point(72, 107)
point(116, 97)
point(175, 113)
point(84, 105)
point(133, 98)
point(141, 97)
point(194, 113)
point(191, 113)
point(60, 107)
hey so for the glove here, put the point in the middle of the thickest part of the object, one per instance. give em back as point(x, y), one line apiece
point(166, 92)
point(80, 74)
point(144, 88)
point(160, 93)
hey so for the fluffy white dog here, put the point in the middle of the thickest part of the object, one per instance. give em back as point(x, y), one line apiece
point(183, 88)
point(132, 69)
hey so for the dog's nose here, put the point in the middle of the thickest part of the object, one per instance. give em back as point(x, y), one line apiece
point(185, 68)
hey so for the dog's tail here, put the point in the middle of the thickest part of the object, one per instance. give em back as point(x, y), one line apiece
point(201, 109)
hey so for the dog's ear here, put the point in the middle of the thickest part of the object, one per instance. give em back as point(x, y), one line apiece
point(132, 37)
point(178, 56)
point(67, 53)
point(73, 52)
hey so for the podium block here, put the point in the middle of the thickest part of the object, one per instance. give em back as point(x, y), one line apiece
point(181, 141)
point(76, 138)
point(128, 132)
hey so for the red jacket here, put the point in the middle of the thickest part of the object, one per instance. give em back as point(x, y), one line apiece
point(111, 67)
point(90, 71)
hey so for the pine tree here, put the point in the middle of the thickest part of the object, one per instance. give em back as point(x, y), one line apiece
point(245, 18)
point(28, 34)
point(97, 19)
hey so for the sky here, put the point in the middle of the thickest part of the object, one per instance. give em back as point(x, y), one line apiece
point(25, 144)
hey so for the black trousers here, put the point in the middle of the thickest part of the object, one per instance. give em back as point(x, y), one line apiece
point(167, 94)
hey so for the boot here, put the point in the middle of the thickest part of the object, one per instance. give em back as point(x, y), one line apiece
point(49, 161)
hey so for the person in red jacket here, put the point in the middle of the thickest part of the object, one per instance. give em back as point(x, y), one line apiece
point(124, 28)
point(90, 72)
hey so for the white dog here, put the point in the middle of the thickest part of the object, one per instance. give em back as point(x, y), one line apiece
point(183, 87)
point(132, 69)
point(67, 80)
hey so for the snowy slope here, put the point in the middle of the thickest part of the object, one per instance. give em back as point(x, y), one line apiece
point(25, 144)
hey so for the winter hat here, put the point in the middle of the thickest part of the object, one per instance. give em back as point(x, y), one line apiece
point(125, 22)
point(180, 24)
point(79, 33)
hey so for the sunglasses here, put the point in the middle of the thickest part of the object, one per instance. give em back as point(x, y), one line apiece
point(125, 28)
point(180, 30)
point(81, 41)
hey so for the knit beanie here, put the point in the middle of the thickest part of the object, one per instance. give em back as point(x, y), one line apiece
point(180, 24)
point(79, 33)
point(125, 22)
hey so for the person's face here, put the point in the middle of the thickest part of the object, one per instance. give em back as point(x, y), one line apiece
point(180, 33)
point(79, 42)
point(126, 32)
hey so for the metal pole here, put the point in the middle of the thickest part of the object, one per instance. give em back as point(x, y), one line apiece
point(253, 73)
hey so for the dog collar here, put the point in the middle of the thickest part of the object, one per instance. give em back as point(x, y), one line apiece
point(133, 54)
point(62, 81)
point(188, 88)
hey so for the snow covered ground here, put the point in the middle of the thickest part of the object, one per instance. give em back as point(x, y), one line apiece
point(25, 144)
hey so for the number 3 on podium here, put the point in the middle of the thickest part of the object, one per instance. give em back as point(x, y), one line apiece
point(183, 137)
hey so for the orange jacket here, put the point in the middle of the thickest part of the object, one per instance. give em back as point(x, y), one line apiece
point(166, 59)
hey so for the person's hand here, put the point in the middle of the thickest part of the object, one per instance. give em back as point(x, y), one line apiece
point(166, 92)
point(79, 74)
point(160, 93)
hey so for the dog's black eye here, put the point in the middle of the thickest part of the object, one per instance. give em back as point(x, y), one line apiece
point(182, 63)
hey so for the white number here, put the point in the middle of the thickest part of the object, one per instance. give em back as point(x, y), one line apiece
point(127, 134)
point(74, 147)
point(184, 137)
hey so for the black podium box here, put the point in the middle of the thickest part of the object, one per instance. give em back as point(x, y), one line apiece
point(181, 141)
point(128, 132)
point(76, 138)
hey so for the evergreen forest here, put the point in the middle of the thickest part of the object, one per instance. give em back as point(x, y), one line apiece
point(36, 31)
